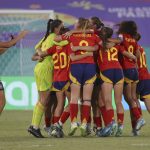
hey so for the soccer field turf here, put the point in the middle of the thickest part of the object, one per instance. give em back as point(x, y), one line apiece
point(14, 136)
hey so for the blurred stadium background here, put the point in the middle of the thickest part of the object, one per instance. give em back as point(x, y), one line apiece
point(16, 67)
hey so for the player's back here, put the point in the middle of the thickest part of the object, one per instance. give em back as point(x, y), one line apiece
point(82, 39)
point(130, 46)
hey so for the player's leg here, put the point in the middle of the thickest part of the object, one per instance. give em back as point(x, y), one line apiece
point(76, 74)
point(102, 107)
point(96, 109)
point(2, 97)
point(140, 122)
point(49, 111)
point(75, 96)
point(86, 107)
point(107, 97)
point(118, 92)
point(66, 113)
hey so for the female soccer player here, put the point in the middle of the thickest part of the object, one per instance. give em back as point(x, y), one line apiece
point(96, 25)
point(3, 47)
point(143, 87)
point(82, 73)
point(111, 74)
point(127, 31)
point(60, 53)
point(43, 75)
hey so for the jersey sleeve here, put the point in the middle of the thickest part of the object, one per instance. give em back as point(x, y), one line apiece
point(38, 44)
point(51, 50)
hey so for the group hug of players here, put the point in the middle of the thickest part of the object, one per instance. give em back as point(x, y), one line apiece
point(85, 65)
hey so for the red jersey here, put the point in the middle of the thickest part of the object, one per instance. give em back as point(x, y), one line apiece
point(108, 59)
point(142, 65)
point(130, 45)
point(81, 39)
point(61, 62)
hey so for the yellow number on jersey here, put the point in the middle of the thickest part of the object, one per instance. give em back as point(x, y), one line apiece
point(62, 58)
point(130, 49)
point(112, 53)
point(85, 43)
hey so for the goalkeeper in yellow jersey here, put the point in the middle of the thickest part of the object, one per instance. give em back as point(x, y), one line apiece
point(43, 72)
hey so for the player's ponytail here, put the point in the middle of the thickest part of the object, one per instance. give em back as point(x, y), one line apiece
point(48, 31)
point(51, 25)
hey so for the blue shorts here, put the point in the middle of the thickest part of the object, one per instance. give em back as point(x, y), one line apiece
point(83, 73)
point(143, 89)
point(113, 76)
point(61, 86)
point(1, 86)
point(130, 75)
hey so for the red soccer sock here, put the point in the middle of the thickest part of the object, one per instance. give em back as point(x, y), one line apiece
point(98, 121)
point(47, 121)
point(85, 113)
point(73, 112)
point(55, 119)
point(120, 118)
point(133, 122)
point(110, 116)
point(65, 115)
point(104, 114)
point(89, 120)
point(135, 113)
point(140, 110)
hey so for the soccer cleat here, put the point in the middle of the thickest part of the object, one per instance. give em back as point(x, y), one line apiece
point(83, 129)
point(47, 129)
point(99, 132)
point(110, 129)
point(135, 132)
point(94, 129)
point(88, 129)
point(119, 130)
point(74, 127)
point(140, 123)
point(35, 132)
point(57, 131)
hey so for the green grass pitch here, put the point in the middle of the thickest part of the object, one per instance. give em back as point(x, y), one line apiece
point(14, 136)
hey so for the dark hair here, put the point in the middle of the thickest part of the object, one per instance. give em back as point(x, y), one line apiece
point(97, 22)
point(137, 37)
point(51, 25)
point(128, 27)
point(64, 30)
point(83, 23)
point(105, 34)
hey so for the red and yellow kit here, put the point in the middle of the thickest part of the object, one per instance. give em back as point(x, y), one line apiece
point(82, 39)
point(142, 65)
point(61, 59)
point(143, 86)
point(111, 70)
point(131, 46)
point(108, 59)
